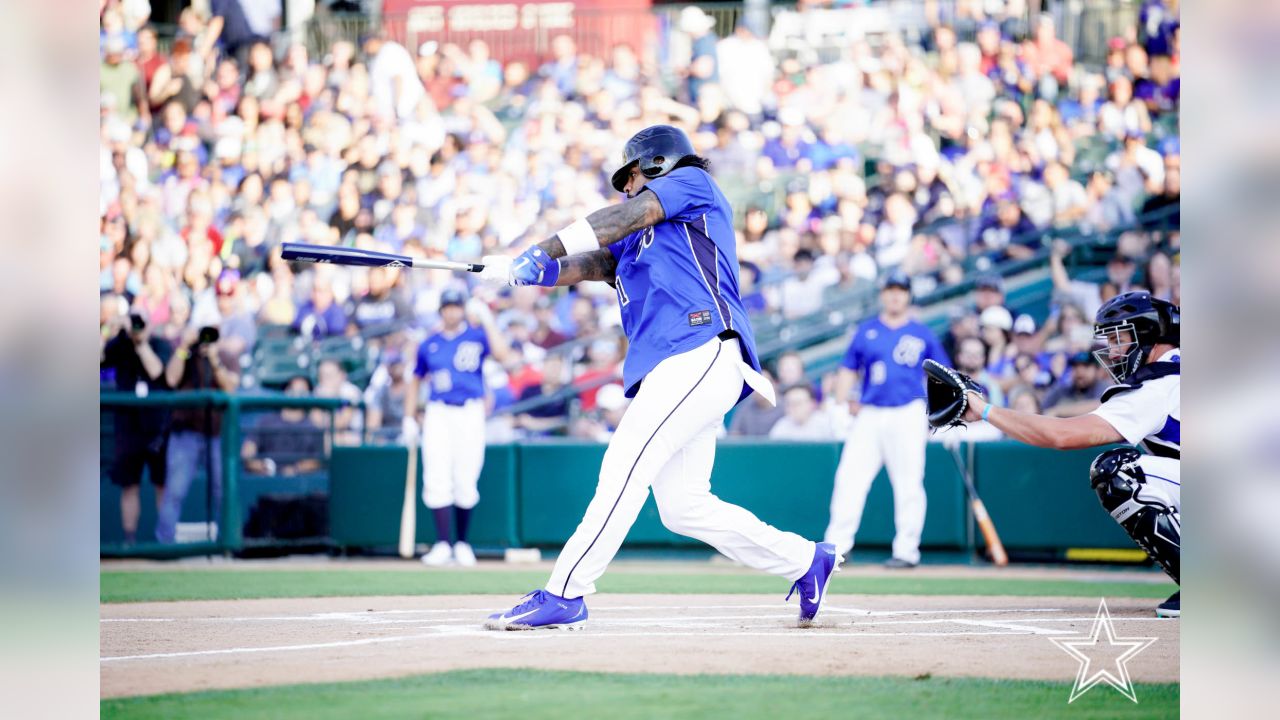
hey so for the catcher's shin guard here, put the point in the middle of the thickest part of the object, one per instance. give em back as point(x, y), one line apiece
point(1156, 527)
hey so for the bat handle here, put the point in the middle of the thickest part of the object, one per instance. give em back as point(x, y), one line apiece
point(475, 267)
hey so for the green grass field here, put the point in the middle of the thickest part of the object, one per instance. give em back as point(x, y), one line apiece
point(230, 584)
point(531, 695)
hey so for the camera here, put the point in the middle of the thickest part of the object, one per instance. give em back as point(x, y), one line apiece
point(208, 335)
point(137, 322)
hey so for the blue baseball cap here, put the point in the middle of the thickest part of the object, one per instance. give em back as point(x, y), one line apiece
point(898, 279)
point(452, 297)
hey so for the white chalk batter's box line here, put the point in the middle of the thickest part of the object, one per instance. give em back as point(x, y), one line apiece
point(693, 626)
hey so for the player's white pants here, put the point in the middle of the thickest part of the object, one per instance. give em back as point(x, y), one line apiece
point(1164, 480)
point(667, 440)
point(894, 437)
point(452, 454)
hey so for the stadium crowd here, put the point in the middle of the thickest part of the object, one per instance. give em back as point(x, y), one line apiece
point(846, 155)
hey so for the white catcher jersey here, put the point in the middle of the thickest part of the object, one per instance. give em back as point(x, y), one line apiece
point(1150, 413)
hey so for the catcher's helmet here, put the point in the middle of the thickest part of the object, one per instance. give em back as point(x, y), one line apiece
point(1128, 326)
point(656, 149)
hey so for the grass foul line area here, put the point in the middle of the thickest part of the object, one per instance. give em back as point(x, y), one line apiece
point(534, 694)
point(123, 586)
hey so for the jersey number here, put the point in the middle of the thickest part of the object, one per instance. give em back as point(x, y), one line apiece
point(623, 300)
point(467, 357)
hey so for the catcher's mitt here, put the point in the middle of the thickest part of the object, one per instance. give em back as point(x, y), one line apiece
point(948, 394)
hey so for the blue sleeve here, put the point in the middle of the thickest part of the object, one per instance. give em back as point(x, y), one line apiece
point(934, 349)
point(853, 356)
point(483, 338)
point(685, 194)
point(421, 368)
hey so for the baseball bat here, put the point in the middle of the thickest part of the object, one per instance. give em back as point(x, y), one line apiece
point(409, 511)
point(998, 555)
point(301, 252)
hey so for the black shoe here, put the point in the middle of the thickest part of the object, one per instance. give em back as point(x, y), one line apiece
point(899, 564)
point(1170, 608)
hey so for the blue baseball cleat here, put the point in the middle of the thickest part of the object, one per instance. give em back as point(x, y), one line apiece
point(541, 609)
point(813, 585)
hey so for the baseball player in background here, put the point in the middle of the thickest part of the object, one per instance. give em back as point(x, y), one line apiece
point(669, 252)
point(1140, 338)
point(890, 425)
point(454, 422)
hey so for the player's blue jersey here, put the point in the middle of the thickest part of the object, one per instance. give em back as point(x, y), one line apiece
point(891, 361)
point(677, 281)
point(454, 365)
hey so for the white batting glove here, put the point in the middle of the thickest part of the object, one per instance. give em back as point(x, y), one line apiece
point(409, 430)
point(497, 269)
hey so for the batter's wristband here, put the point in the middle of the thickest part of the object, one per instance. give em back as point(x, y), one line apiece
point(985, 412)
point(579, 238)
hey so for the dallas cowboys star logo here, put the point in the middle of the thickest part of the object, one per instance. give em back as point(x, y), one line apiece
point(1103, 651)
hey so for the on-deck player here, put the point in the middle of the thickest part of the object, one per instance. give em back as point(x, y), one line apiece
point(669, 252)
point(1140, 336)
point(453, 427)
point(890, 425)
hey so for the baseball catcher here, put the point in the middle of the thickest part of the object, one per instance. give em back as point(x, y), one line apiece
point(1139, 338)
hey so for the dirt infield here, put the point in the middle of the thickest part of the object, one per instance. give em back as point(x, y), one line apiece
point(182, 646)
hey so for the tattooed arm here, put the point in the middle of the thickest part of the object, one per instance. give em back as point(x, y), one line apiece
point(614, 223)
point(596, 265)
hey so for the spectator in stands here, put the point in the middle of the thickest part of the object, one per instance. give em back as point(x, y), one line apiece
point(995, 328)
point(971, 359)
point(803, 419)
point(756, 416)
point(1160, 212)
point(802, 292)
point(123, 92)
point(384, 305)
point(1080, 393)
point(332, 382)
point(320, 316)
point(195, 443)
point(553, 415)
point(285, 443)
point(384, 399)
point(600, 424)
point(133, 360)
point(1023, 398)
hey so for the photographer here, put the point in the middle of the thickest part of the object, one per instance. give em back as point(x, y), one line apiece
point(134, 361)
point(196, 433)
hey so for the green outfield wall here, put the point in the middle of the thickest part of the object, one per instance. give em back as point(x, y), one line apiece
point(533, 495)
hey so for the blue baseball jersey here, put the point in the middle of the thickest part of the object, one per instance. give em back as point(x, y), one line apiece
point(677, 281)
point(454, 365)
point(891, 361)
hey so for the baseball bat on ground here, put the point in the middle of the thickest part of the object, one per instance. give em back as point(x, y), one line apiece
point(988, 528)
point(409, 511)
point(301, 252)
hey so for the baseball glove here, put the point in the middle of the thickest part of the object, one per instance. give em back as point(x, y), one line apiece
point(948, 394)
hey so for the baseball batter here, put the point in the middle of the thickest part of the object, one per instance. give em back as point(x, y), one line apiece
point(1140, 338)
point(453, 426)
point(669, 252)
point(889, 426)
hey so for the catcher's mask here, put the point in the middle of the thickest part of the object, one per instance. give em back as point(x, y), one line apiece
point(656, 150)
point(1128, 326)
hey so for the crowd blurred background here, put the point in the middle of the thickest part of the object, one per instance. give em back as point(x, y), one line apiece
point(853, 139)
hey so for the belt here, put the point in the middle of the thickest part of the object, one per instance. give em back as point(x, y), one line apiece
point(452, 403)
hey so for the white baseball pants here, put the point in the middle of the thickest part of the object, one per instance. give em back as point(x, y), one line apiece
point(1164, 480)
point(894, 437)
point(667, 441)
point(452, 454)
